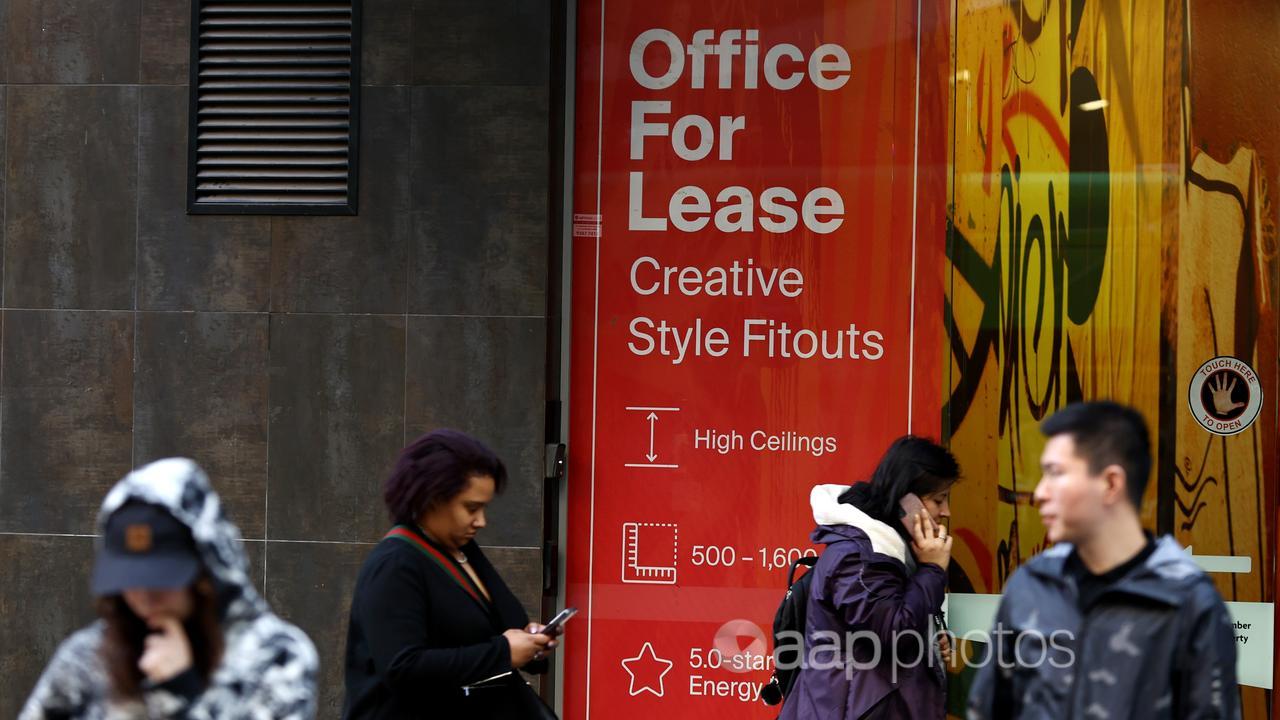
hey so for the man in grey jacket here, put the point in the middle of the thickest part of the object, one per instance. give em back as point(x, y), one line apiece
point(1109, 623)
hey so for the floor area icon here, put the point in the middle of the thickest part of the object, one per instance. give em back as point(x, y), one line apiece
point(649, 553)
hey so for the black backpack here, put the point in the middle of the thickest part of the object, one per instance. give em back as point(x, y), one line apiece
point(789, 619)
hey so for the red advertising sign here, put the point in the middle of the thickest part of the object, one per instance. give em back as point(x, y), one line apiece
point(757, 286)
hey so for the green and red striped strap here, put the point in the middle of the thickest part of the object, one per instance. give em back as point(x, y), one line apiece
point(404, 534)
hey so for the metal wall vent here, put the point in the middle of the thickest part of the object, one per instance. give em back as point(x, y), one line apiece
point(274, 107)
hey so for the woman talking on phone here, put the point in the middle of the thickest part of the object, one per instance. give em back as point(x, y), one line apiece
point(434, 631)
point(870, 647)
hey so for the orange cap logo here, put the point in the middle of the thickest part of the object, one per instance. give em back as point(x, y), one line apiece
point(137, 538)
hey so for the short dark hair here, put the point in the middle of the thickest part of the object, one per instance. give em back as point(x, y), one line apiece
point(436, 468)
point(910, 465)
point(1107, 433)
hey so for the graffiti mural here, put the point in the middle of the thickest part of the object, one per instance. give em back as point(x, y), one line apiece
point(1112, 228)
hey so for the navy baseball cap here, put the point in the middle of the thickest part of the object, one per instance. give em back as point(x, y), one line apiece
point(144, 547)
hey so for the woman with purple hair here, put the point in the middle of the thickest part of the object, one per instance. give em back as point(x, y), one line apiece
point(434, 631)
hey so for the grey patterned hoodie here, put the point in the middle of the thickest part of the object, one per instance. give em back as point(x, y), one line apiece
point(268, 667)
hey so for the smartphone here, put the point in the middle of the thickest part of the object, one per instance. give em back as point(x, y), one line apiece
point(911, 506)
point(556, 624)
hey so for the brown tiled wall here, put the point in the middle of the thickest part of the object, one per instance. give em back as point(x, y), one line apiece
point(292, 357)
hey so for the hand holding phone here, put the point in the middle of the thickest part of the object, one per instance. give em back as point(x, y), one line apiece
point(912, 506)
point(930, 540)
point(556, 625)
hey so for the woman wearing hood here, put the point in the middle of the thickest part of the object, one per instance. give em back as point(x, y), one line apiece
point(869, 642)
point(182, 633)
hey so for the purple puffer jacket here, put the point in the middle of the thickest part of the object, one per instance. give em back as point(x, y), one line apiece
point(863, 599)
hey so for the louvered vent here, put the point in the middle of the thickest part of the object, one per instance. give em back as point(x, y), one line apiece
point(274, 107)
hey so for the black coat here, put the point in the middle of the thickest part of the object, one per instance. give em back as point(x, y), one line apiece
point(1157, 644)
point(416, 637)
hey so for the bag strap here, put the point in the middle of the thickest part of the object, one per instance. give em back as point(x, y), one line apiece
point(806, 561)
point(404, 534)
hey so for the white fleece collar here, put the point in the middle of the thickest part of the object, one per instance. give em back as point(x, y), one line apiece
point(828, 510)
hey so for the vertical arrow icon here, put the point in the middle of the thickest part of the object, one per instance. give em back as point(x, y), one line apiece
point(651, 414)
point(653, 419)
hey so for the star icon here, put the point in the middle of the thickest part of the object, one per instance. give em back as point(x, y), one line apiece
point(646, 671)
